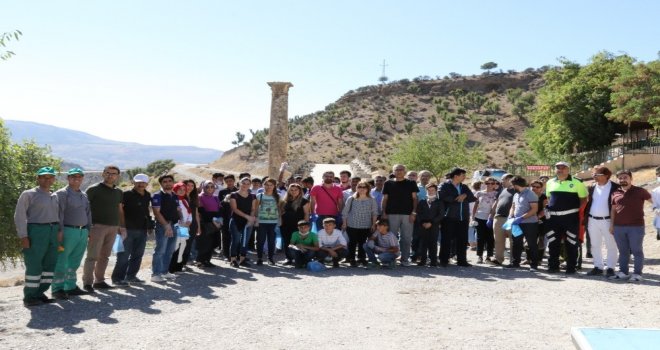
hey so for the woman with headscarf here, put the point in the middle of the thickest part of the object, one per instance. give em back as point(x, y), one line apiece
point(210, 215)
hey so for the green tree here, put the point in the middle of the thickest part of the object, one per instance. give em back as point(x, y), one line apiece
point(240, 137)
point(523, 105)
point(512, 95)
point(160, 167)
point(134, 171)
point(421, 152)
point(18, 165)
point(475, 119)
point(636, 95)
point(5, 38)
point(408, 127)
point(488, 66)
point(570, 114)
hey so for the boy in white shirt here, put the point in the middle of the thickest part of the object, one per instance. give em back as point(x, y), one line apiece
point(331, 243)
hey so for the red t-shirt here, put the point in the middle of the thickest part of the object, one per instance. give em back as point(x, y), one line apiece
point(629, 206)
point(327, 199)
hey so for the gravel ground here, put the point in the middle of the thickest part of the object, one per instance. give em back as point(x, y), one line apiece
point(282, 308)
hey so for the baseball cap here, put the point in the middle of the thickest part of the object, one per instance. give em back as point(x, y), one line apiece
point(47, 170)
point(75, 171)
point(562, 164)
point(141, 178)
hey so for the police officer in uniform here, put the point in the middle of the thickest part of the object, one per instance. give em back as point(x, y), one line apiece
point(37, 225)
point(566, 195)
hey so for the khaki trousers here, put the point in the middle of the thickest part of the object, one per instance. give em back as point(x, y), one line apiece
point(99, 248)
point(500, 237)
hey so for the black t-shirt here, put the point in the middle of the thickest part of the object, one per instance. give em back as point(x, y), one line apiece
point(504, 202)
point(136, 210)
point(399, 196)
point(243, 204)
point(290, 217)
point(168, 204)
point(226, 208)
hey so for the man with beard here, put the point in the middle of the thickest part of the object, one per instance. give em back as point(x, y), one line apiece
point(326, 200)
point(105, 201)
point(627, 225)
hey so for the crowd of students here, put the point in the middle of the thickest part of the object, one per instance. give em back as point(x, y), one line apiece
point(374, 223)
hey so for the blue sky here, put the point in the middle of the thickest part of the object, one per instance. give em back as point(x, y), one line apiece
point(195, 72)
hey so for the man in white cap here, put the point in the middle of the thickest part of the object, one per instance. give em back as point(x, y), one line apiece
point(134, 216)
point(566, 195)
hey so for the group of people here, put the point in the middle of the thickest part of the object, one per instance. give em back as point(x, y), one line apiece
point(374, 223)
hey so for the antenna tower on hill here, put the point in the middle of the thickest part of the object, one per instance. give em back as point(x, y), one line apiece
point(383, 77)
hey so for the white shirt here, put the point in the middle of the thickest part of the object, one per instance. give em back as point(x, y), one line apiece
point(600, 200)
point(331, 241)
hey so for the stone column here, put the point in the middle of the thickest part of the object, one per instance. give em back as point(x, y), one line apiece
point(278, 134)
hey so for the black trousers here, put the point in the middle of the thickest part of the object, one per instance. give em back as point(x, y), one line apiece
point(414, 243)
point(205, 242)
point(428, 243)
point(485, 238)
point(287, 232)
point(357, 237)
point(563, 227)
point(530, 233)
point(454, 233)
point(225, 240)
point(322, 254)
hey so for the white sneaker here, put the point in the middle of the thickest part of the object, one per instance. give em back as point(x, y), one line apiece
point(169, 276)
point(405, 263)
point(619, 276)
point(157, 278)
point(635, 278)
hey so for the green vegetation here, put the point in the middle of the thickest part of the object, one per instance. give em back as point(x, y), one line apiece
point(5, 38)
point(580, 108)
point(421, 152)
point(18, 165)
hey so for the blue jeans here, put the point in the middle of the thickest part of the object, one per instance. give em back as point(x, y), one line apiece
point(384, 257)
point(629, 239)
point(163, 250)
point(128, 261)
point(239, 239)
point(266, 232)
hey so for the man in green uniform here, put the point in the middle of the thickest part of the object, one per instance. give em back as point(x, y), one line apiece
point(37, 225)
point(75, 217)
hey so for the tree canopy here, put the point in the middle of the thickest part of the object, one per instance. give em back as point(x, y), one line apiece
point(437, 152)
point(580, 108)
point(18, 166)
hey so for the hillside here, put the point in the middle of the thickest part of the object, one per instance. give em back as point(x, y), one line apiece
point(364, 124)
point(93, 152)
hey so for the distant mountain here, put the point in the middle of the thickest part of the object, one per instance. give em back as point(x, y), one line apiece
point(93, 152)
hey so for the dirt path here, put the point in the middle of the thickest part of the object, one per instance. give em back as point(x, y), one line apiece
point(282, 308)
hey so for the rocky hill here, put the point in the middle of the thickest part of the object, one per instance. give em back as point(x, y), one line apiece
point(366, 123)
point(92, 152)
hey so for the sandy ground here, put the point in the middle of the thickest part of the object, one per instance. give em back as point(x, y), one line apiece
point(282, 308)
